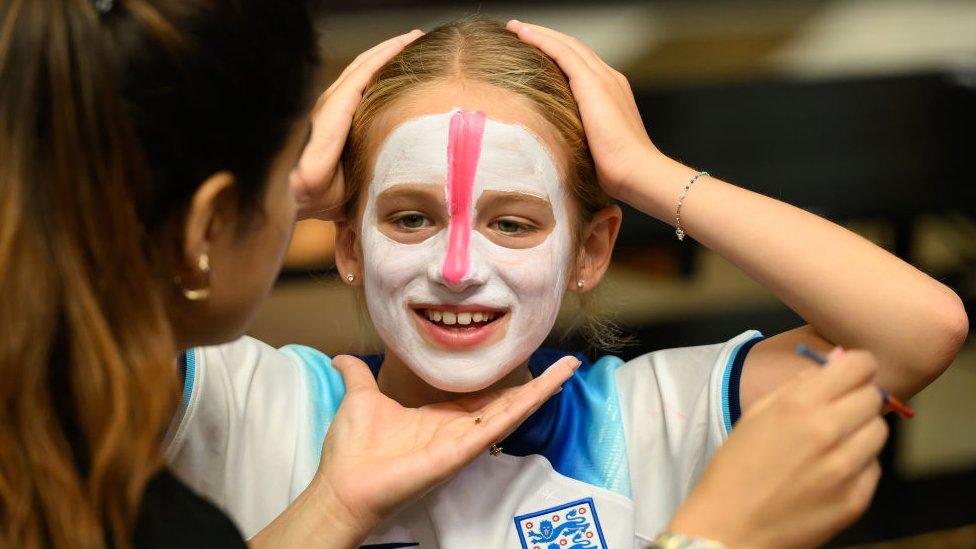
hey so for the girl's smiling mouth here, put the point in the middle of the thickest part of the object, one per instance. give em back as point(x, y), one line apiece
point(459, 326)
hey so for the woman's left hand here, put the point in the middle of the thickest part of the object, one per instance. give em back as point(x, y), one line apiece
point(379, 455)
point(614, 130)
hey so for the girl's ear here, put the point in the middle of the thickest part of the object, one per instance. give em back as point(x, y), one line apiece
point(598, 238)
point(348, 253)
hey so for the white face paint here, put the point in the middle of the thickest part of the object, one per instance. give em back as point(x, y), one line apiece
point(523, 287)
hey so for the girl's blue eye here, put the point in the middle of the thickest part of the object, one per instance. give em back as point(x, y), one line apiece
point(412, 221)
point(511, 227)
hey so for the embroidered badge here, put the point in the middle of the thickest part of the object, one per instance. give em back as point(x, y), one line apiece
point(573, 525)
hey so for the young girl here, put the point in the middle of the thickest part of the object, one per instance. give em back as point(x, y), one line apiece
point(479, 191)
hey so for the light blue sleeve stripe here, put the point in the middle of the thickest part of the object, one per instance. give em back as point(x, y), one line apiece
point(325, 391)
point(605, 436)
point(189, 376)
point(588, 443)
point(726, 412)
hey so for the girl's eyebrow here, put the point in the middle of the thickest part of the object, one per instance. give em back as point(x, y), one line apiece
point(501, 198)
point(405, 191)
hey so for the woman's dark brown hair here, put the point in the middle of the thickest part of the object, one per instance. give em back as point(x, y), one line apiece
point(108, 123)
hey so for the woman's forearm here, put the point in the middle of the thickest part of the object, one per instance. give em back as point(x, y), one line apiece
point(315, 519)
point(850, 291)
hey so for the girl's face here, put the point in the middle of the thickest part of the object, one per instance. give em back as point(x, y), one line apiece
point(465, 237)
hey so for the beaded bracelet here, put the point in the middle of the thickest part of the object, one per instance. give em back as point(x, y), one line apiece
point(678, 231)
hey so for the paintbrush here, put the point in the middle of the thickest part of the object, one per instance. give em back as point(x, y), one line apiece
point(896, 405)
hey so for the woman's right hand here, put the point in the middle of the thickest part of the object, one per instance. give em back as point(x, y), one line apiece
point(800, 466)
point(316, 181)
point(378, 455)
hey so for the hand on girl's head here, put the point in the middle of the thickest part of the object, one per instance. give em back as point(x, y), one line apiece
point(317, 181)
point(616, 134)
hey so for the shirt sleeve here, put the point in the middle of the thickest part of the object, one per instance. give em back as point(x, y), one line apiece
point(678, 407)
point(251, 426)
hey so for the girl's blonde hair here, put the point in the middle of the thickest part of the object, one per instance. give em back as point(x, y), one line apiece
point(482, 50)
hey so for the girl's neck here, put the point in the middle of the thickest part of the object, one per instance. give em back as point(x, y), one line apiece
point(398, 382)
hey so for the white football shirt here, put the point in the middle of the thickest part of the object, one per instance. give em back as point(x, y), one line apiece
point(604, 463)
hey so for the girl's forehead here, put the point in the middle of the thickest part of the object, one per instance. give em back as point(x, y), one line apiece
point(500, 105)
point(511, 157)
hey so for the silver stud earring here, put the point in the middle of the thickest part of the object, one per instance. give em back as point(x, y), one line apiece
point(580, 283)
point(350, 277)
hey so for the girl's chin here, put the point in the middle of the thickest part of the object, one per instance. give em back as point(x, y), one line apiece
point(448, 380)
point(456, 385)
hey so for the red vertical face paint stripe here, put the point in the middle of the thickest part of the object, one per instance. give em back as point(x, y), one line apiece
point(463, 152)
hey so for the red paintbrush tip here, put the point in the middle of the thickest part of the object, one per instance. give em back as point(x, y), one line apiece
point(899, 407)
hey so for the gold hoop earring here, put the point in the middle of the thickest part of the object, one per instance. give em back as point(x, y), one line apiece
point(197, 294)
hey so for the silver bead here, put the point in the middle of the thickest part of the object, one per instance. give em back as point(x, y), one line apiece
point(104, 6)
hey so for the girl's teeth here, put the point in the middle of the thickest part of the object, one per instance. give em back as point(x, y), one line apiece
point(463, 319)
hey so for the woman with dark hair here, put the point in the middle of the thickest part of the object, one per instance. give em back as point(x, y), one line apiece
point(145, 154)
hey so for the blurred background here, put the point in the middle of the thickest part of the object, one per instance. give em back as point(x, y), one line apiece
point(862, 111)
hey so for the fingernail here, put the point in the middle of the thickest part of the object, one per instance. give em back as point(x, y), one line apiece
point(516, 21)
point(578, 363)
point(835, 353)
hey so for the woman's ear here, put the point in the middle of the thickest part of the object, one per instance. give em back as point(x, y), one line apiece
point(596, 248)
point(211, 213)
point(348, 254)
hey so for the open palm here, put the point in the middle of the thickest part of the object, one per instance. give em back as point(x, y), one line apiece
point(378, 454)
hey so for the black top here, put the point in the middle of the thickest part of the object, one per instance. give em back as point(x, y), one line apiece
point(171, 515)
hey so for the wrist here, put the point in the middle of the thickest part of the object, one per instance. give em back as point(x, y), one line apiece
point(657, 186)
point(333, 514)
point(706, 523)
point(317, 518)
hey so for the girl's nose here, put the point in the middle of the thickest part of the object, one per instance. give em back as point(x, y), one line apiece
point(459, 276)
point(463, 152)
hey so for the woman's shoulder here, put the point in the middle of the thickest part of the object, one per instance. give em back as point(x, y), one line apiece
point(172, 515)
